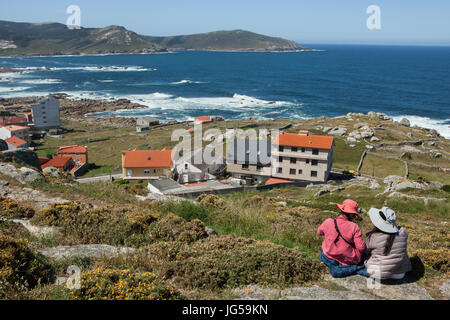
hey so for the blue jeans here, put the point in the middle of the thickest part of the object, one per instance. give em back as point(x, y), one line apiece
point(338, 270)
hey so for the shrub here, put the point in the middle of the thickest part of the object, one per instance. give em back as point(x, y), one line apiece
point(115, 284)
point(20, 268)
point(138, 189)
point(446, 188)
point(11, 209)
point(13, 230)
point(121, 181)
point(210, 200)
point(437, 259)
point(174, 228)
point(230, 261)
point(111, 225)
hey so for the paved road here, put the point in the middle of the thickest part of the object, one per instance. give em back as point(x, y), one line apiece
point(99, 178)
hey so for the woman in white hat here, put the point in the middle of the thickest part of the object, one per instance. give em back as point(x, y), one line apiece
point(386, 245)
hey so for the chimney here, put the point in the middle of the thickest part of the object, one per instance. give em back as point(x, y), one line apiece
point(303, 133)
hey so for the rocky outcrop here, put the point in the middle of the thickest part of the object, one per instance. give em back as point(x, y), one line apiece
point(23, 175)
point(349, 288)
point(21, 157)
point(85, 250)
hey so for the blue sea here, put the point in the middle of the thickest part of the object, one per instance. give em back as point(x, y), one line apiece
point(412, 82)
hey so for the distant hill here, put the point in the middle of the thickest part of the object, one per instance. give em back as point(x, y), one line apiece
point(227, 40)
point(57, 39)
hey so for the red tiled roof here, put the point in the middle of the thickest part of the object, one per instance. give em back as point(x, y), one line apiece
point(148, 158)
point(295, 140)
point(72, 149)
point(197, 184)
point(204, 118)
point(58, 162)
point(16, 141)
point(275, 181)
point(12, 119)
point(15, 128)
point(43, 160)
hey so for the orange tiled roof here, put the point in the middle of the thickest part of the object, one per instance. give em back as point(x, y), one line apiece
point(295, 140)
point(58, 162)
point(16, 141)
point(148, 158)
point(275, 181)
point(203, 118)
point(13, 128)
point(72, 149)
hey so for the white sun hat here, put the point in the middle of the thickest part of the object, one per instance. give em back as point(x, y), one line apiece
point(384, 219)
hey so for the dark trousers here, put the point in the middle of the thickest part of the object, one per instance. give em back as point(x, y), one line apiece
point(338, 270)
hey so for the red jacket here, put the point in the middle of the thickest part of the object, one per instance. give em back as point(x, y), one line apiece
point(341, 251)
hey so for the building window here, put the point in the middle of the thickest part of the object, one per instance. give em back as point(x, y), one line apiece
point(259, 168)
point(294, 149)
point(245, 166)
point(280, 159)
point(147, 171)
point(315, 152)
point(300, 171)
point(154, 170)
point(280, 148)
point(307, 160)
point(186, 166)
point(303, 149)
point(314, 162)
point(279, 170)
point(293, 160)
point(313, 173)
point(292, 171)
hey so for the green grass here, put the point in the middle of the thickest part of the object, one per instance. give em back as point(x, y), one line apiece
point(346, 158)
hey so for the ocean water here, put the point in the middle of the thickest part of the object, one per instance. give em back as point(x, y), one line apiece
point(411, 82)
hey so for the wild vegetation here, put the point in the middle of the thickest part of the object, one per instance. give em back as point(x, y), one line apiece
point(265, 237)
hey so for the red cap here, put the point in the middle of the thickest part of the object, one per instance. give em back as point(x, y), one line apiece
point(348, 206)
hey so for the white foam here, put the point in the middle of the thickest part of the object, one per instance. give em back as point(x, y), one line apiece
point(104, 68)
point(441, 126)
point(186, 82)
point(41, 81)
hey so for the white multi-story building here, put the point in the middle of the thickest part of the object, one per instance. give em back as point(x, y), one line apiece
point(46, 114)
point(302, 156)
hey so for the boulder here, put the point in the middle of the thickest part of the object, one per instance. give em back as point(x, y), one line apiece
point(54, 172)
point(391, 179)
point(211, 232)
point(407, 184)
point(22, 175)
point(374, 185)
point(326, 129)
point(374, 139)
point(351, 139)
point(340, 131)
point(85, 250)
point(325, 189)
point(367, 134)
point(405, 122)
point(445, 289)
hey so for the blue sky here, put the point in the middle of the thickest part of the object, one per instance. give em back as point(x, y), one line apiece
point(306, 21)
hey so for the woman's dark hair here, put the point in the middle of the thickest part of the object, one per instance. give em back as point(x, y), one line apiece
point(389, 242)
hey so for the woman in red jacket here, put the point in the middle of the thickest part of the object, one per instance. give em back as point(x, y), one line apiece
point(343, 247)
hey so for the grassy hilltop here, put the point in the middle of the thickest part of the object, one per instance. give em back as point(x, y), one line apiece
point(266, 238)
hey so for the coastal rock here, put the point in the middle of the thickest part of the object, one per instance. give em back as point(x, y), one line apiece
point(407, 184)
point(22, 175)
point(367, 134)
point(36, 230)
point(374, 185)
point(374, 139)
point(445, 289)
point(351, 139)
point(405, 122)
point(326, 129)
point(54, 172)
point(340, 131)
point(392, 290)
point(325, 189)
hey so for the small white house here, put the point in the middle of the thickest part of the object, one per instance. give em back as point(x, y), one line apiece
point(188, 173)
